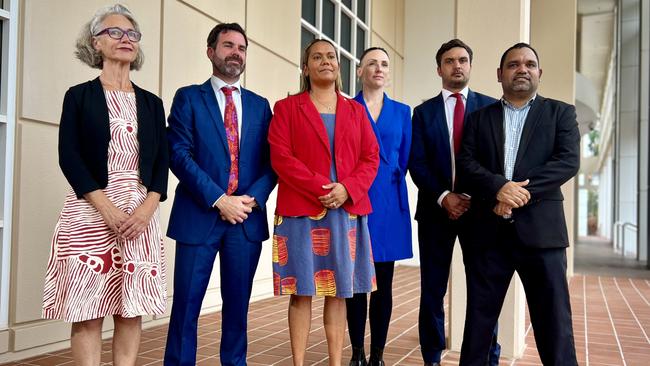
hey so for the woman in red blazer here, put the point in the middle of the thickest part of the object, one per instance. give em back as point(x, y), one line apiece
point(326, 156)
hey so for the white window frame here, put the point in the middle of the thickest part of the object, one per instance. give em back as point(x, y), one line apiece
point(317, 31)
point(9, 19)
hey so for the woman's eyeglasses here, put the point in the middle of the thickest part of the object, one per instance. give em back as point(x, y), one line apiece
point(118, 33)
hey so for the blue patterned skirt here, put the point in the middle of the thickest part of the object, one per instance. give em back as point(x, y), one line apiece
point(324, 255)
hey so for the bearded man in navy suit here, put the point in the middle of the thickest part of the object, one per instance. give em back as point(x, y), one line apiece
point(437, 131)
point(220, 155)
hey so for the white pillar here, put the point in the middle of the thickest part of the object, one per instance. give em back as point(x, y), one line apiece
point(475, 25)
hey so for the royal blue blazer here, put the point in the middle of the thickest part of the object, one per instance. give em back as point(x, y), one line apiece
point(200, 159)
point(390, 220)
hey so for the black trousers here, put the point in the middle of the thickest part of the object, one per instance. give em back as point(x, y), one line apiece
point(381, 307)
point(543, 275)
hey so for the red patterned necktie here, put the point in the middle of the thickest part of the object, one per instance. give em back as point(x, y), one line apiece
point(459, 116)
point(232, 134)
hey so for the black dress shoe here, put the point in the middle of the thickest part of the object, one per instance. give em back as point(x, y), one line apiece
point(432, 364)
point(358, 357)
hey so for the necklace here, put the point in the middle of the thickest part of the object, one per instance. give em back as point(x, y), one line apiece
point(327, 107)
point(110, 86)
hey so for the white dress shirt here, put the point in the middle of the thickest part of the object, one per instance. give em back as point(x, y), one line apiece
point(514, 120)
point(450, 105)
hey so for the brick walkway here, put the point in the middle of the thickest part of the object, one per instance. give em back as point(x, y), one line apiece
point(611, 323)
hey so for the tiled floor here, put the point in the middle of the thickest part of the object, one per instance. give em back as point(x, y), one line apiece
point(611, 317)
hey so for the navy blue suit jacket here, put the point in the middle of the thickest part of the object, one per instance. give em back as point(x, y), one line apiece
point(430, 160)
point(200, 159)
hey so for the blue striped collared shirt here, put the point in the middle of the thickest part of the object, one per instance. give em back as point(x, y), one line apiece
point(513, 124)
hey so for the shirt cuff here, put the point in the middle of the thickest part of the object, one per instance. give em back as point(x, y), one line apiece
point(442, 197)
point(217, 201)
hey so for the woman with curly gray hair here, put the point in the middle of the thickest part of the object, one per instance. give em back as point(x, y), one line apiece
point(107, 256)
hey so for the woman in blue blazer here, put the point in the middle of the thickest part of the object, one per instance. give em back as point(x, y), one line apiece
point(390, 221)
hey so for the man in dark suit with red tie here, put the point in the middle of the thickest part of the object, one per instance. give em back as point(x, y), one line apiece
point(219, 153)
point(437, 133)
point(516, 155)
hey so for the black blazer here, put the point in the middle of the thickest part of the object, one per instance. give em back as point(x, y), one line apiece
point(84, 134)
point(430, 159)
point(548, 155)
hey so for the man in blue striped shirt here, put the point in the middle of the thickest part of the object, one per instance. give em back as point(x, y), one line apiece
point(516, 154)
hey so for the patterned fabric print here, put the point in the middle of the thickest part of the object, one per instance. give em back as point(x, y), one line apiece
point(232, 134)
point(91, 273)
point(324, 255)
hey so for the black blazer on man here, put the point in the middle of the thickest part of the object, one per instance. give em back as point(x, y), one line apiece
point(548, 156)
point(84, 134)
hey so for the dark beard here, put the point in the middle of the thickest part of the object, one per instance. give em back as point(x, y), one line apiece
point(229, 70)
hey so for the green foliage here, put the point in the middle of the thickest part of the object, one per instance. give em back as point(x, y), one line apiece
point(594, 141)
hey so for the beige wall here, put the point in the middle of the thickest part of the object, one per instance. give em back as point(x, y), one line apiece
point(174, 34)
point(387, 31)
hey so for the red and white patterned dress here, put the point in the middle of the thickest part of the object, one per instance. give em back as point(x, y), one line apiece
point(91, 273)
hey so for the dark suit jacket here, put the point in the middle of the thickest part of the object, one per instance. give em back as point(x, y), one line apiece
point(548, 155)
point(200, 159)
point(300, 153)
point(84, 134)
point(430, 160)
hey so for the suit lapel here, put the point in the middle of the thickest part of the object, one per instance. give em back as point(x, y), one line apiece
point(441, 129)
point(532, 120)
point(344, 114)
point(246, 106)
point(145, 126)
point(385, 109)
point(471, 104)
point(496, 125)
point(440, 119)
point(310, 114)
point(212, 106)
point(100, 107)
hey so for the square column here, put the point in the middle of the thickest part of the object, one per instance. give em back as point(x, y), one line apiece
point(556, 44)
point(490, 28)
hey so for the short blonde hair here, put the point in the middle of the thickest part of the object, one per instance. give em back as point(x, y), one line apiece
point(87, 53)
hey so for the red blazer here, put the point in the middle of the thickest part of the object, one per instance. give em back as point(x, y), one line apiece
point(301, 157)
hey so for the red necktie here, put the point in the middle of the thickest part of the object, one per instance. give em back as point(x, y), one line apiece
point(459, 116)
point(232, 134)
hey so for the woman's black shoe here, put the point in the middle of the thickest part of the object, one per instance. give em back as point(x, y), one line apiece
point(376, 357)
point(358, 357)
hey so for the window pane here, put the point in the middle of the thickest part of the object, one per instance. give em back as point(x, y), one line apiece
point(347, 3)
point(305, 37)
point(309, 11)
point(361, 10)
point(346, 32)
point(345, 74)
point(328, 19)
point(361, 41)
